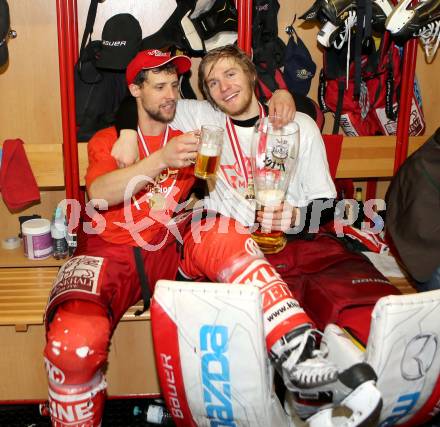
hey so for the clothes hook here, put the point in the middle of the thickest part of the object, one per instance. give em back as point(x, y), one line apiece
point(290, 29)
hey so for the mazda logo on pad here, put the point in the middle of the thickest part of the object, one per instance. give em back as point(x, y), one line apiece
point(418, 356)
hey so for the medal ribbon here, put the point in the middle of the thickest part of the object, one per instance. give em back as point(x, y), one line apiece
point(147, 153)
point(144, 144)
point(235, 144)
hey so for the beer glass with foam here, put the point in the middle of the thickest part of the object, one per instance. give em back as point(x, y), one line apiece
point(208, 157)
point(274, 159)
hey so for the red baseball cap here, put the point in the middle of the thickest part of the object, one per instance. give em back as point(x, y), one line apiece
point(154, 58)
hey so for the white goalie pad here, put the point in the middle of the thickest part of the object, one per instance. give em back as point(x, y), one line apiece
point(211, 356)
point(403, 348)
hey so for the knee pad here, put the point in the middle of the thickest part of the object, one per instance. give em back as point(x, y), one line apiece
point(211, 244)
point(77, 343)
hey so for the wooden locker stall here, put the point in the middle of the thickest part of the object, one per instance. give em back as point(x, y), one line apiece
point(30, 92)
point(31, 110)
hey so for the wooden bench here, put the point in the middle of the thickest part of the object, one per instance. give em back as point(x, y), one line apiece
point(23, 297)
point(25, 285)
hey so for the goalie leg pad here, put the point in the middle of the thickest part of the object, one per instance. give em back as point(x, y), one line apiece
point(428, 411)
point(213, 366)
point(403, 348)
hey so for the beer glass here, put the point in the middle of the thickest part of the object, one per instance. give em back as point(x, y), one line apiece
point(208, 157)
point(274, 160)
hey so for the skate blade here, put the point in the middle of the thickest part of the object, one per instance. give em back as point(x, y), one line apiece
point(361, 408)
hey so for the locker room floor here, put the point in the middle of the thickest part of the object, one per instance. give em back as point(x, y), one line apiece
point(117, 413)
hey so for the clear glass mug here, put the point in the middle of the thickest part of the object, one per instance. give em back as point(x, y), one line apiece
point(274, 160)
point(209, 152)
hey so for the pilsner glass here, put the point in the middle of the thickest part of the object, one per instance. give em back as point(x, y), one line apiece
point(274, 159)
point(208, 157)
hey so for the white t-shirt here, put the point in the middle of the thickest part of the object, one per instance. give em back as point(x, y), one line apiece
point(227, 193)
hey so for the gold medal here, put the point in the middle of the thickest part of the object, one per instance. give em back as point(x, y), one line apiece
point(157, 201)
point(250, 190)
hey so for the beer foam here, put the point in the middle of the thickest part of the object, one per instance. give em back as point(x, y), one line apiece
point(270, 197)
point(209, 150)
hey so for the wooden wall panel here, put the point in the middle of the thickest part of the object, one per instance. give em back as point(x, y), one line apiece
point(9, 225)
point(428, 76)
point(30, 93)
point(131, 368)
point(29, 83)
point(307, 32)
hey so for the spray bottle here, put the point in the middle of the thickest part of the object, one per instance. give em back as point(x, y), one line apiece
point(58, 233)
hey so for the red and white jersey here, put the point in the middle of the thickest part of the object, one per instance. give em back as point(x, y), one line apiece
point(137, 223)
point(227, 193)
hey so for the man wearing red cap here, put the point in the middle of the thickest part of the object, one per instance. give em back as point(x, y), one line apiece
point(141, 230)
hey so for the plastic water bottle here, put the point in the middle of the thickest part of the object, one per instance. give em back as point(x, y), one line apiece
point(154, 413)
point(58, 233)
point(360, 218)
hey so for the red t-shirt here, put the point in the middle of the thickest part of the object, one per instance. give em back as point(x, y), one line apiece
point(137, 220)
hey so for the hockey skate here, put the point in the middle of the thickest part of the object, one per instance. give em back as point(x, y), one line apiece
point(331, 34)
point(318, 387)
point(339, 16)
point(218, 26)
point(361, 408)
point(430, 37)
point(421, 20)
point(336, 11)
point(406, 20)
